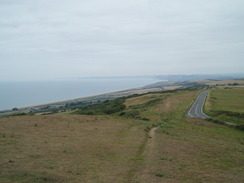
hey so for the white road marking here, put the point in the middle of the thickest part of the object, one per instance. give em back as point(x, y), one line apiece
point(196, 110)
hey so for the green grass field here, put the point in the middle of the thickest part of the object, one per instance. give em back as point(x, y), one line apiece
point(147, 141)
point(226, 103)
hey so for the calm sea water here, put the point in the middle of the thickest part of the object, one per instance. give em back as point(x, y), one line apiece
point(21, 94)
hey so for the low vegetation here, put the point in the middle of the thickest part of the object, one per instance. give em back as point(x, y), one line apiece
point(141, 138)
point(226, 104)
point(107, 107)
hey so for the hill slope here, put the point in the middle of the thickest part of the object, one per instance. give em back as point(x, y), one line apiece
point(148, 140)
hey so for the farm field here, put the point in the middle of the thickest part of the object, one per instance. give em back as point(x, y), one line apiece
point(226, 103)
point(225, 82)
point(148, 141)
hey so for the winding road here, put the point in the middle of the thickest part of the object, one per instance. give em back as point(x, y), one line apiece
point(196, 110)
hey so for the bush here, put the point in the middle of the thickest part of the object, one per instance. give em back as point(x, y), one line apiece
point(159, 175)
point(240, 127)
point(229, 113)
point(107, 107)
point(132, 114)
point(147, 104)
point(20, 114)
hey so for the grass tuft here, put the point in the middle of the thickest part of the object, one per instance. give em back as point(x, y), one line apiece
point(159, 175)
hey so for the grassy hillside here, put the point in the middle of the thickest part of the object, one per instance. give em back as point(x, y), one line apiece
point(226, 103)
point(68, 148)
point(148, 140)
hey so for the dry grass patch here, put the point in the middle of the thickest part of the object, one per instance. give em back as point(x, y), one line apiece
point(68, 148)
point(172, 87)
point(172, 106)
point(142, 99)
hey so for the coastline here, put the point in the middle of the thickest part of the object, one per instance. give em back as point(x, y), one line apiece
point(115, 93)
point(26, 94)
point(109, 95)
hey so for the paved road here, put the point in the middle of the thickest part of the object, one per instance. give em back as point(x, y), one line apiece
point(196, 109)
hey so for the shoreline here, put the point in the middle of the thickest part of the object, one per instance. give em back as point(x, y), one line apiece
point(119, 93)
point(36, 102)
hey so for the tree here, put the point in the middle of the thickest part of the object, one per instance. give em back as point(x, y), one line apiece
point(15, 109)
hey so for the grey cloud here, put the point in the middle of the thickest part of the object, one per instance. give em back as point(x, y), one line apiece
point(112, 37)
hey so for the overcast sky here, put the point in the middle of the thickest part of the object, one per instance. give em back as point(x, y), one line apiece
point(52, 39)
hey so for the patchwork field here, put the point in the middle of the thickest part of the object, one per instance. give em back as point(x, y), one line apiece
point(226, 82)
point(226, 103)
point(148, 141)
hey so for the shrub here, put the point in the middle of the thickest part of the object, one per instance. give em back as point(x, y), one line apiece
point(19, 114)
point(107, 107)
point(229, 113)
point(159, 175)
point(240, 127)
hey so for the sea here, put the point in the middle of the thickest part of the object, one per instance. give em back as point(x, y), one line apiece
point(27, 93)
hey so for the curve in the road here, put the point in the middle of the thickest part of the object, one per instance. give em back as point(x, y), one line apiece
point(196, 110)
